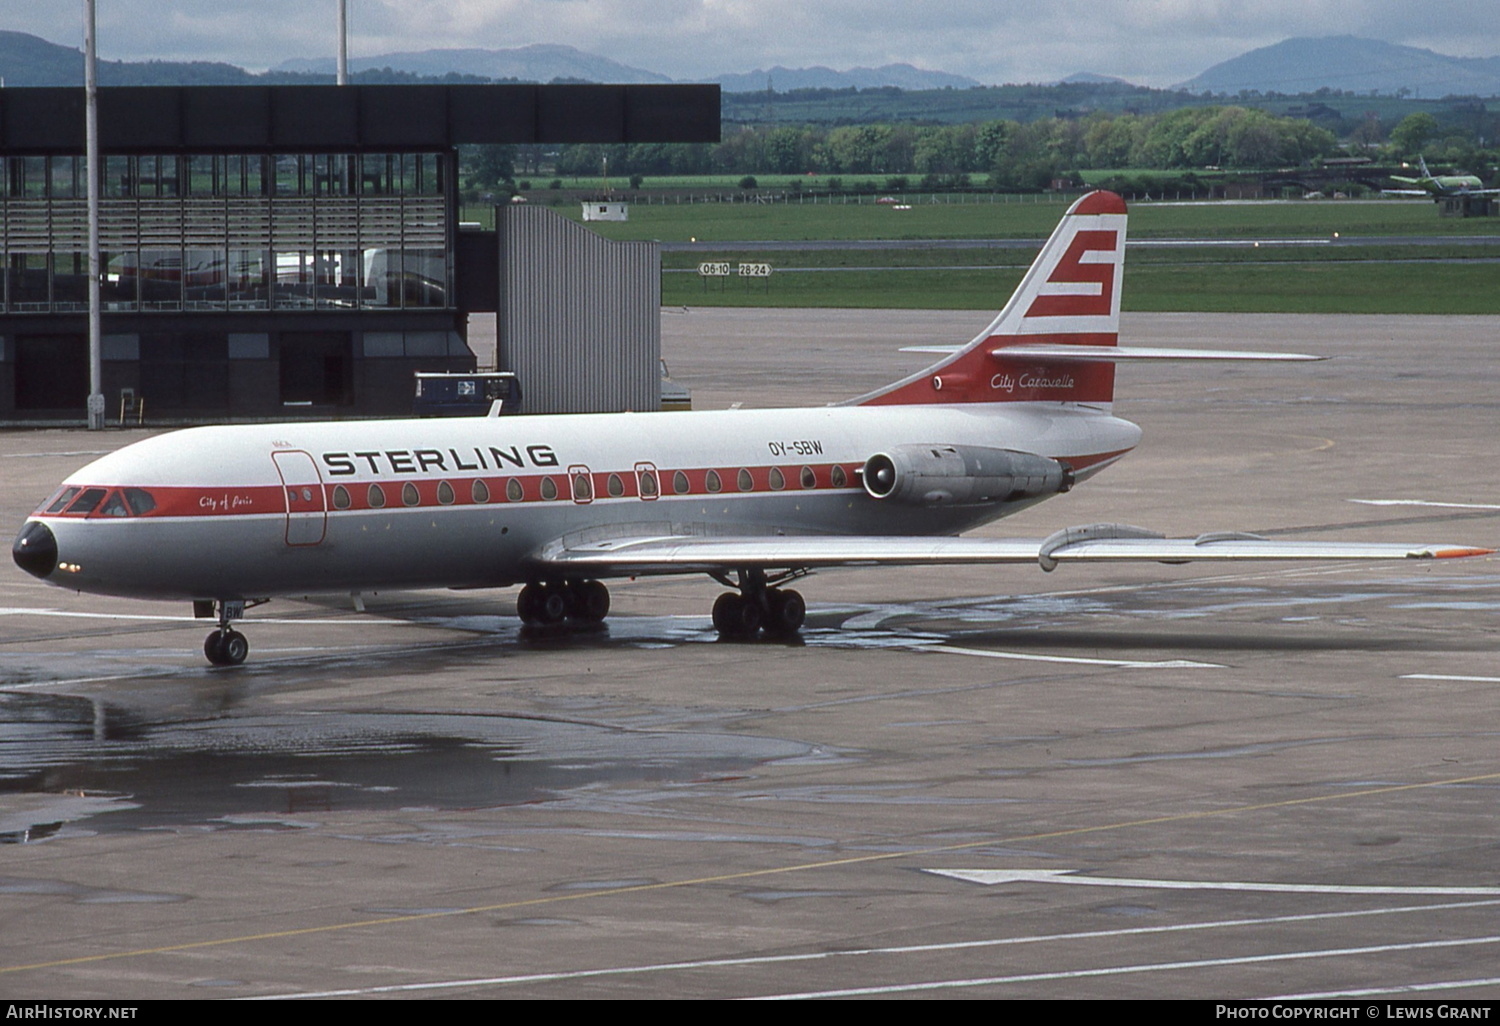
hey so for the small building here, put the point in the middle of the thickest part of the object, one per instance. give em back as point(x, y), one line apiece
point(607, 211)
point(1466, 205)
point(579, 317)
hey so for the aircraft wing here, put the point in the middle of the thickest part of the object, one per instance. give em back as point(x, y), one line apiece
point(685, 553)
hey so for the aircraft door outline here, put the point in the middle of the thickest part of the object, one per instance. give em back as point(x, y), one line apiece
point(302, 491)
point(581, 484)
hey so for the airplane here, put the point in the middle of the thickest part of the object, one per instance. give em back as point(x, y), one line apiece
point(1439, 186)
point(228, 516)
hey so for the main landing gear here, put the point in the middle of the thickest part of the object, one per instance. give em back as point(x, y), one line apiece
point(225, 646)
point(545, 603)
point(758, 606)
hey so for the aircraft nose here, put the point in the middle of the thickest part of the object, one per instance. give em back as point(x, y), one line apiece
point(35, 549)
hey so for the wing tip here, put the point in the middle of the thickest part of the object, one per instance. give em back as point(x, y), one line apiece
point(1460, 552)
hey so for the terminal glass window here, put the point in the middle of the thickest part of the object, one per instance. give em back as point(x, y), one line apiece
point(67, 178)
point(70, 280)
point(231, 232)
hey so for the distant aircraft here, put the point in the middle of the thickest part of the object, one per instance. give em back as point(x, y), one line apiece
point(1439, 186)
point(228, 516)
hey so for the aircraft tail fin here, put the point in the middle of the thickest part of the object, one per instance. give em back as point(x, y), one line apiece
point(1069, 297)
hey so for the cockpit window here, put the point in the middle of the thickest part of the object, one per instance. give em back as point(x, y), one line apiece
point(63, 498)
point(139, 500)
point(87, 502)
point(114, 506)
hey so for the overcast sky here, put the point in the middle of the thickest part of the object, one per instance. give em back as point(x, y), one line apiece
point(1149, 42)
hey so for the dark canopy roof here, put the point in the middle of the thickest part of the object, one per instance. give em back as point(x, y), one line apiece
point(241, 119)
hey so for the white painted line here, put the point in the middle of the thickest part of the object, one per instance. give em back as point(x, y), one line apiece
point(992, 877)
point(1130, 931)
point(1240, 243)
point(18, 611)
point(1406, 988)
point(1133, 664)
point(1423, 502)
point(1126, 970)
point(1448, 676)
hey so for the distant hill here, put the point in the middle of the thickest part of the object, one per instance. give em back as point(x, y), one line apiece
point(541, 62)
point(27, 60)
point(1305, 65)
point(900, 76)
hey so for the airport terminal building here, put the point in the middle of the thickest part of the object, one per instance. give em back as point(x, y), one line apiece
point(269, 251)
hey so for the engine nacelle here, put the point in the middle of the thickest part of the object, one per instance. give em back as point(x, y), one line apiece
point(962, 475)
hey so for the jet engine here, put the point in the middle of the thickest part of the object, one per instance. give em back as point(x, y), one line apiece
point(962, 475)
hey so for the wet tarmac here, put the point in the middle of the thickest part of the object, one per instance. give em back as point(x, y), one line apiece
point(1271, 781)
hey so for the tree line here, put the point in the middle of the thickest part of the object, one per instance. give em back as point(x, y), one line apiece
point(1014, 154)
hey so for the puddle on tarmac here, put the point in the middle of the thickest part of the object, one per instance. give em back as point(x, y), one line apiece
point(279, 772)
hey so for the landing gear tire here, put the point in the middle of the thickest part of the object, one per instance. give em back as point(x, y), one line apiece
point(226, 648)
point(541, 604)
point(736, 617)
point(785, 612)
point(588, 601)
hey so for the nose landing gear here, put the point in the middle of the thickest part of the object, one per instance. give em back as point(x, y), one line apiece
point(225, 646)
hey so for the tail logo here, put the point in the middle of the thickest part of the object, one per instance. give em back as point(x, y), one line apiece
point(1030, 381)
point(1074, 270)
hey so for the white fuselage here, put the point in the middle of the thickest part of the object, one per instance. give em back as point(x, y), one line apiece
point(255, 511)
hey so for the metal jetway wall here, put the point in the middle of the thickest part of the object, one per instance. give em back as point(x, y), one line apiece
point(579, 317)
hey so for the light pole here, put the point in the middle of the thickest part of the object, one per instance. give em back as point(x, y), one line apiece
point(343, 77)
point(91, 169)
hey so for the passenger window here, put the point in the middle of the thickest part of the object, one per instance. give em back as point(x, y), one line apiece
point(838, 479)
point(680, 483)
point(615, 485)
point(479, 491)
point(583, 487)
point(745, 481)
point(809, 479)
point(445, 493)
point(549, 488)
point(513, 490)
point(376, 496)
point(778, 479)
point(340, 497)
point(711, 481)
point(646, 484)
point(409, 494)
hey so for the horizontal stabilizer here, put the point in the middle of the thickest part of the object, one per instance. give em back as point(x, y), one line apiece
point(1118, 354)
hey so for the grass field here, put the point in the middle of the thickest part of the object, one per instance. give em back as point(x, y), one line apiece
point(1403, 288)
point(1381, 277)
point(1034, 218)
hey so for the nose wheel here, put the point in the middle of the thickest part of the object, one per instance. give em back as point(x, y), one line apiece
point(225, 646)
